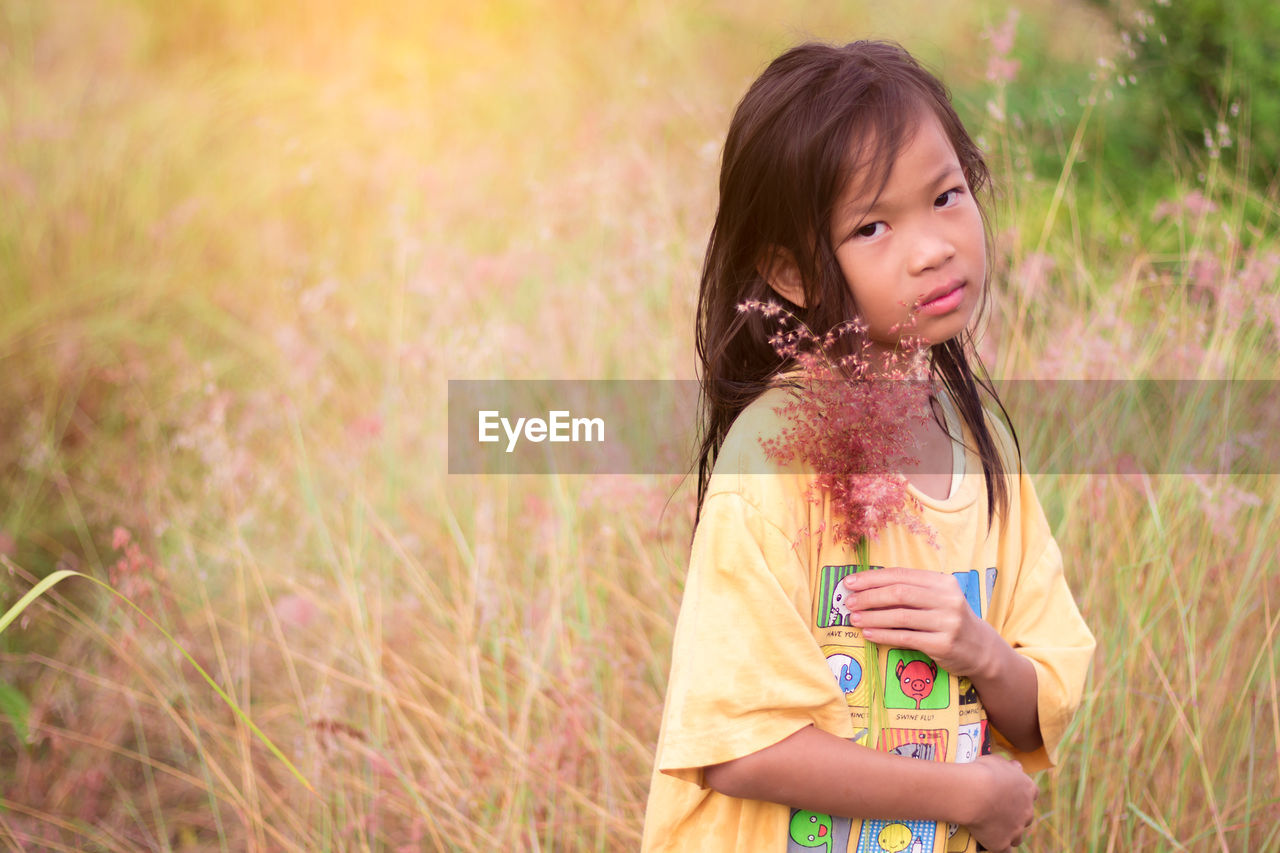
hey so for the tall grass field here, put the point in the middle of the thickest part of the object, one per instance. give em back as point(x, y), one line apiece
point(243, 248)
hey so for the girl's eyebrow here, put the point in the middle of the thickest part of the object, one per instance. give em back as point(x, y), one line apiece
point(945, 173)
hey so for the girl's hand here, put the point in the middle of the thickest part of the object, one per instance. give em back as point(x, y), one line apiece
point(922, 610)
point(1005, 805)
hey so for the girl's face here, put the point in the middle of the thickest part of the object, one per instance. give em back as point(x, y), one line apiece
point(917, 250)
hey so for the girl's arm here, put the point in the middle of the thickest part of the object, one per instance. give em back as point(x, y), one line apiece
point(816, 770)
point(1007, 683)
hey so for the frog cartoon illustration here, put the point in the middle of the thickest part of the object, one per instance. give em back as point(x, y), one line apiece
point(811, 829)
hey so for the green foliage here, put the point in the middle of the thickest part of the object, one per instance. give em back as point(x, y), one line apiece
point(1206, 74)
point(15, 707)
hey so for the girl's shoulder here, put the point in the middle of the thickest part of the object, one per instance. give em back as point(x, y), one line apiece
point(745, 465)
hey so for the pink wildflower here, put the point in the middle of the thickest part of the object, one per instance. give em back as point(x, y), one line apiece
point(1196, 203)
point(365, 427)
point(296, 611)
point(1259, 275)
point(1001, 37)
point(1033, 272)
point(1221, 501)
point(1000, 68)
point(852, 430)
point(132, 572)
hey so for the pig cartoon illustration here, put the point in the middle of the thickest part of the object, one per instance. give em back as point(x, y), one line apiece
point(917, 678)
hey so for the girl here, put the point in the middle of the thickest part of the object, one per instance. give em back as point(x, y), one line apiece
point(848, 189)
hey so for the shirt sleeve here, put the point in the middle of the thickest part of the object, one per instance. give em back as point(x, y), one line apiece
point(746, 671)
point(1038, 616)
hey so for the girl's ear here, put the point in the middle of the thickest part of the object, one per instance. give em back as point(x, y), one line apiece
point(778, 267)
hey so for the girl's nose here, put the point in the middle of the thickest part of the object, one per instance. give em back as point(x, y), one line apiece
point(931, 250)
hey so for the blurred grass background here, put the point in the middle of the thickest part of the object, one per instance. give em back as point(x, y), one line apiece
point(244, 246)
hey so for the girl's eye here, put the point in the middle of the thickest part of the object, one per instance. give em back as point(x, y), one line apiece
point(871, 229)
point(948, 198)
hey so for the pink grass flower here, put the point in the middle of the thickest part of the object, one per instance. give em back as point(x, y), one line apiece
point(1197, 204)
point(8, 545)
point(365, 427)
point(1033, 272)
point(1132, 473)
point(1269, 307)
point(296, 611)
point(1001, 37)
point(135, 572)
point(1221, 501)
point(1000, 68)
point(1194, 203)
point(852, 429)
point(1261, 274)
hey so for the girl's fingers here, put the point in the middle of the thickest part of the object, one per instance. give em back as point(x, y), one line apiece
point(886, 577)
point(917, 640)
point(907, 620)
point(897, 595)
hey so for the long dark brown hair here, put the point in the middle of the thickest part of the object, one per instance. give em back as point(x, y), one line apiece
point(819, 116)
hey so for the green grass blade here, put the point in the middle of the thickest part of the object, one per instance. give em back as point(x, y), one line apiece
point(57, 577)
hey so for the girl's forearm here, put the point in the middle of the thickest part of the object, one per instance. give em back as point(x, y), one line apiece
point(816, 770)
point(1008, 687)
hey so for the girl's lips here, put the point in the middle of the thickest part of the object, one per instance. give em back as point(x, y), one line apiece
point(945, 303)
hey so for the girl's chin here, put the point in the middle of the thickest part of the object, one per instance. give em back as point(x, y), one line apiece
point(944, 329)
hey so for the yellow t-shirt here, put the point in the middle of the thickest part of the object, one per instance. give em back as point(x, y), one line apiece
point(761, 650)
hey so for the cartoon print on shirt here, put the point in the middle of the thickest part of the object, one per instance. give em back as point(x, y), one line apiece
point(846, 661)
point(913, 681)
point(969, 586)
point(831, 612)
point(921, 744)
point(916, 678)
point(810, 830)
point(847, 670)
point(957, 838)
point(968, 742)
point(840, 613)
point(896, 836)
point(920, 751)
point(968, 693)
